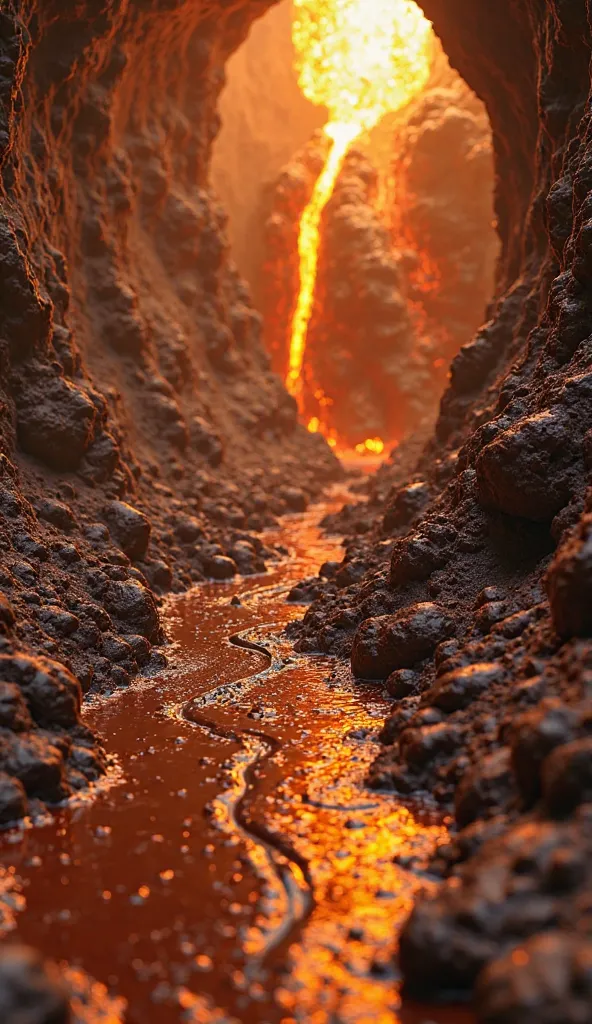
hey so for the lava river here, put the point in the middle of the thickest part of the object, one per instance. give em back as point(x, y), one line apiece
point(234, 868)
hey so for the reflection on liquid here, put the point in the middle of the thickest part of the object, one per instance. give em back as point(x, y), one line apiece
point(236, 869)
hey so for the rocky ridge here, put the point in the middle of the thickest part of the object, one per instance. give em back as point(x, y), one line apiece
point(466, 582)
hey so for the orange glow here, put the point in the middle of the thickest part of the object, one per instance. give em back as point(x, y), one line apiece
point(316, 426)
point(361, 59)
point(374, 445)
point(308, 250)
point(89, 999)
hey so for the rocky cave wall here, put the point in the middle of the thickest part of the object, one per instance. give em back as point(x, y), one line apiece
point(406, 264)
point(420, 235)
point(131, 370)
point(144, 436)
point(467, 581)
point(264, 120)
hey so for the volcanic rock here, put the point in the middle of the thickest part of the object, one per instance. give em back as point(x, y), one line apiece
point(390, 642)
point(130, 528)
point(569, 583)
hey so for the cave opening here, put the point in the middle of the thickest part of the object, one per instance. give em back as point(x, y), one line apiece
point(403, 262)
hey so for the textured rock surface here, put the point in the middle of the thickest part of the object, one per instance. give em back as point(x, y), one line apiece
point(31, 991)
point(144, 437)
point(131, 371)
point(492, 523)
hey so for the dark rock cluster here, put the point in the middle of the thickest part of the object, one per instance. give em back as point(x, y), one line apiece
point(145, 441)
point(31, 991)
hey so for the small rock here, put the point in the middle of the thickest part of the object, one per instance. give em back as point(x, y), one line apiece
point(548, 980)
point(129, 527)
point(567, 777)
point(294, 498)
point(57, 513)
point(402, 683)
point(52, 693)
point(485, 789)
point(13, 807)
point(57, 622)
point(30, 990)
point(188, 529)
point(38, 764)
point(220, 567)
point(390, 642)
point(533, 736)
point(14, 713)
point(422, 746)
point(569, 584)
point(459, 688)
point(134, 605)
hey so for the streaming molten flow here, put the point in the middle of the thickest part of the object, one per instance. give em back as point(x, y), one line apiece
point(361, 59)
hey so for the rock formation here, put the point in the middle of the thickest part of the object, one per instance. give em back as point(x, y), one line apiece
point(469, 569)
point(405, 267)
point(141, 425)
point(144, 436)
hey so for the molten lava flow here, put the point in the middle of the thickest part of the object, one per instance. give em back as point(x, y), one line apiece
point(360, 59)
point(308, 248)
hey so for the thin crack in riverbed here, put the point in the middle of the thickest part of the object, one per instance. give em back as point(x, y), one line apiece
point(239, 870)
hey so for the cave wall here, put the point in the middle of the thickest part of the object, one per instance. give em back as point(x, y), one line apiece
point(118, 290)
point(406, 264)
point(470, 571)
point(144, 436)
point(264, 120)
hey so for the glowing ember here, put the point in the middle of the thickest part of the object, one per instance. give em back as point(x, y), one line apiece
point(373, 445)
point(360, 59)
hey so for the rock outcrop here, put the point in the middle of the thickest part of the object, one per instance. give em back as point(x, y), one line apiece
point(145, 439)
point(492, 525)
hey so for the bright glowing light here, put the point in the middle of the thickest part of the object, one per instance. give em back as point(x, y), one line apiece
point(374, 445)
point(360, 59)
point(308, 251)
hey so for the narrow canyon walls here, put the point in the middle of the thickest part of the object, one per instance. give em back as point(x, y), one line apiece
point(144, 436)
point(469, 571)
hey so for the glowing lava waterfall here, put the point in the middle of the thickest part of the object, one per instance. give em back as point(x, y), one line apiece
point(361, 59)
